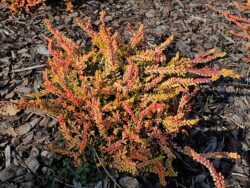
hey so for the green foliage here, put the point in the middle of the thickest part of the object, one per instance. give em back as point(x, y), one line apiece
point(61, 169)
point(209, 101)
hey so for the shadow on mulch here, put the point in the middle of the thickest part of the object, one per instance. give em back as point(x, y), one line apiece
point(213, 134)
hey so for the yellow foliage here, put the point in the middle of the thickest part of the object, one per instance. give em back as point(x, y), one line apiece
point(123, 99)
point(17, 5)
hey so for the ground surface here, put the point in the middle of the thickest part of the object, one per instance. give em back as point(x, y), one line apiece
point(223, 106)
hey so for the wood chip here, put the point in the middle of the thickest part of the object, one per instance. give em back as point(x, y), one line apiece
point(7, 156)
point(8, 110)
point(23, 129)
point(9, 131)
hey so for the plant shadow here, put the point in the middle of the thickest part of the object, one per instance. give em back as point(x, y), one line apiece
point(212, 135)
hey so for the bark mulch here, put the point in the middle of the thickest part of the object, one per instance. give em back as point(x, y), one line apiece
point(223, 106)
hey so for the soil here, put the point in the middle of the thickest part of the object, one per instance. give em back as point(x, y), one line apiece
point(223, 106)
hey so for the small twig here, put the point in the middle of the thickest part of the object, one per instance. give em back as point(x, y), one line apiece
point(199, 18)
point(228, 118)
point(234, 84)
point(60, 181)
point(248, 72)
point(11, 31)
point(239, 174)
point(22, 163)
point(180, 3)
point(19, 22)
point(109, 175)
point(29, 68)
point(96, 164)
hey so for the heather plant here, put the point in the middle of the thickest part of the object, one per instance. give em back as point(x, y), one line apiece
point(123, 100)
point(17, 5)
point(243, 23)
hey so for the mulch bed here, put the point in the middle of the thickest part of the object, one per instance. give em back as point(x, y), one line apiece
point(223, 106)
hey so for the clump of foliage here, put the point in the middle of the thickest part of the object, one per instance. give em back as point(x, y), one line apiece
point(16, 5)
point(240, 21)
point(61, 169)
point(124, 100)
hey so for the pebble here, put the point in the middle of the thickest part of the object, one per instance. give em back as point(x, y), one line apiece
point(44, 154)
point(129, 182)
point(208, 45)
point(230, 89)
point(157, 4)
point(44, 170)
point(42, 50)
point(151, 22)
point(108, 18)
point(160, 30)
point(150, 13)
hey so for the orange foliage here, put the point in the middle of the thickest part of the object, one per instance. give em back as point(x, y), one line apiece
point(241, 22)
point(16, 5)
point(122, 99)
point(217, 177)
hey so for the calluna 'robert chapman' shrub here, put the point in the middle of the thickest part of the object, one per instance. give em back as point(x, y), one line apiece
point(124, 100)
point(16, 5)
point(243, 23)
